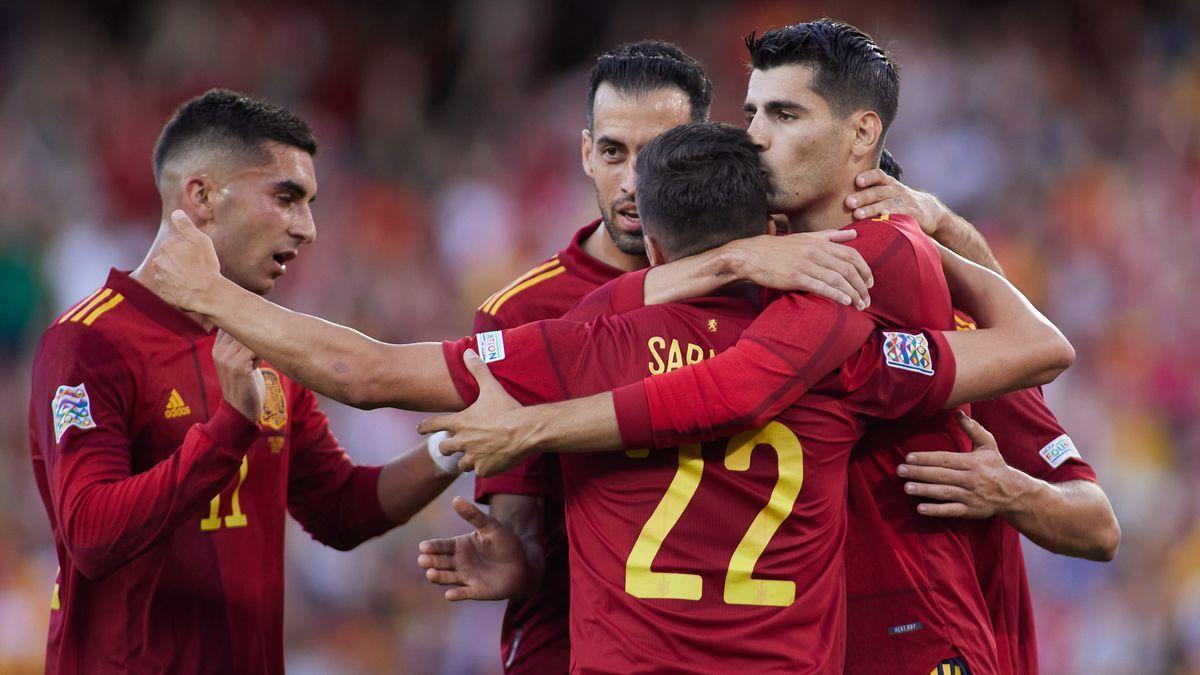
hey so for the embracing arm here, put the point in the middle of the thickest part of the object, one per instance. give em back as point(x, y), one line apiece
point(1015, 348)
point(332, 359)
point(328, 358)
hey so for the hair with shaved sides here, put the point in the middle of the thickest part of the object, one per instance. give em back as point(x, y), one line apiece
point(851, 72)
point(225, 121)
point(642, 67)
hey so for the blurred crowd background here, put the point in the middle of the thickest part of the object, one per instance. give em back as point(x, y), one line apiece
point(449, 162)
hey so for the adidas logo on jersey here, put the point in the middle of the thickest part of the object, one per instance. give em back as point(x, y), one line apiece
point(176, 407)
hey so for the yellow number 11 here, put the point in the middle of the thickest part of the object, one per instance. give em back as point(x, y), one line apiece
point(741, 588)
point(234, 519)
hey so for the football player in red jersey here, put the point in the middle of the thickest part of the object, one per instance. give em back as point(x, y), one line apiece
point(166, 472)
point(710, 178)
point(810, 111)
point(635, 92)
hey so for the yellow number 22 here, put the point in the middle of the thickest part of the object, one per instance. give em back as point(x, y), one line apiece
point(741, 588)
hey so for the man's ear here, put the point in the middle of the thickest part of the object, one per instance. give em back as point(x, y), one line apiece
point(586, 151)
point(654, 251)
point(868, 134)
point(198, 198)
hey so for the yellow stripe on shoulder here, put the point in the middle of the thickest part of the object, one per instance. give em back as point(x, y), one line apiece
point(99, 311)
point(963, 324)
point(91, 303)
point(550, 264)
point(74, 308)
point(529, 283)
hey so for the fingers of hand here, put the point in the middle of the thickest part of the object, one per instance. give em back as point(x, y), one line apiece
point(933, 474)
point(437, 561)
point(445, 546)
point(872, 177)
point(461, 593)
point(855, 258)
point(465, 465)
point(950, 510)
point(435, 423)
point(443, 577)
point(945, 493)
point(839, 283)
point(947, 460)
point(811, 284)
point(843, 264)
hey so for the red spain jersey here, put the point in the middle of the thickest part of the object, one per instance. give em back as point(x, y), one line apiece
point(1031, 439)
point(716, 557)
point(534, 637)
point(913, 595)
point(166, 504)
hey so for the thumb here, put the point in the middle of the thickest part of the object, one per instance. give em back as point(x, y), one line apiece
point(182, 223)
point(471, 513)
point(480, 371)
point(979, 436)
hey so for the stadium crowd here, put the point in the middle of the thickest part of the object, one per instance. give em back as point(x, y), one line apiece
point(449, 163)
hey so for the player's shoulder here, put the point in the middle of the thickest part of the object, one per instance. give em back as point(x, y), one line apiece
point(887, 227)
point(546, 291)
point(91, 326)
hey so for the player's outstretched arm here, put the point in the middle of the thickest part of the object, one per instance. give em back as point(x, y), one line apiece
point(814, 262)
point(488, 563)
point(879, 193)
point(1071, 518)
point(1016, 348)
point(329, 358)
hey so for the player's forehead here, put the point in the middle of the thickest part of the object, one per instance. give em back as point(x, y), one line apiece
point(285, 163)
point(791, 82)
point(635, 118)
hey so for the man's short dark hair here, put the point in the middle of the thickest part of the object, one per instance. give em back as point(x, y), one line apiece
point(641, 67)
point(889, 165)
point(851, 71)
point(231, 121)
point(701, 185)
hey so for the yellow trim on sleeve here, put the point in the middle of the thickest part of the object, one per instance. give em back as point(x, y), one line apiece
point(99, 311)
point(486, 307)
point(91, 303)
point(524, 285)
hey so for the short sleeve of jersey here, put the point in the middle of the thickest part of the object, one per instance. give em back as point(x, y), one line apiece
point(1030, 437)
point(896, 373)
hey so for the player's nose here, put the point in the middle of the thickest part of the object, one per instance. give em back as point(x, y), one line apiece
point(304, 228)
point(629, 179)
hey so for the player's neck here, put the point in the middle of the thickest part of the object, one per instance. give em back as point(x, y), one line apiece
point(144, 275)
point(601, 247)
point(827, 213)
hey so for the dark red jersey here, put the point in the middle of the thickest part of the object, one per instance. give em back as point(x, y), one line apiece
point(534, 637)
point(913, 598)
point(716, 557)
point(1031, 439)
point(166, 504)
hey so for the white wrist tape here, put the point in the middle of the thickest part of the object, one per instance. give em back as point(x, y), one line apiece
point(447, 464)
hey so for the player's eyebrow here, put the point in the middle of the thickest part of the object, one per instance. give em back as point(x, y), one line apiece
point(775, 106)
point(296, 189)
point(609, 140)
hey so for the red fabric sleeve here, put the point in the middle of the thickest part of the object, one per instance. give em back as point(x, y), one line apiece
point(796, 341)
point(537, 358)
point(623, 294)
point(106, 514)
point(334, 500)
point(1030, 437)
point(896, 373)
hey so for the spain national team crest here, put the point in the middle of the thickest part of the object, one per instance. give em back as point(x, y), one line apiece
point(274, 414)
point(907, 352)
point(71, 408)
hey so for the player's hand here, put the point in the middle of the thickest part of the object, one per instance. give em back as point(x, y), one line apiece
point(241, 380)
point(490, 433)
point(487, 564)
point(977, 484)
point(879, 193)
point(186, 267)
point(815, 262)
